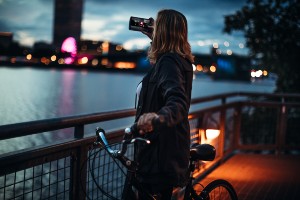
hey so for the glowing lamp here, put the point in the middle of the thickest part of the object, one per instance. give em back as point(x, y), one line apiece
point(212, 133)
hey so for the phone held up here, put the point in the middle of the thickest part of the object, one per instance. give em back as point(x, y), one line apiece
point(141, 24)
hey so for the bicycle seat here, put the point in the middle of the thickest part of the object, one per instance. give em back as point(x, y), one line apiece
point(205, 152)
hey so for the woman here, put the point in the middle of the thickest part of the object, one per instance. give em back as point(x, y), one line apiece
point(164, 96)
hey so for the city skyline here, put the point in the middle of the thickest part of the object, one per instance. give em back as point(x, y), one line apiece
point(32, 22)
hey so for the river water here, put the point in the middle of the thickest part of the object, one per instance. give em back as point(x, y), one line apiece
point(28, 94)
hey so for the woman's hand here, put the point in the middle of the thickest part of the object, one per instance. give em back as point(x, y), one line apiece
point(150, 34)
point(144, 123)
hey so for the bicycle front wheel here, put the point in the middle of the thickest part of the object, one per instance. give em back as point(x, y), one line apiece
point(219, 189)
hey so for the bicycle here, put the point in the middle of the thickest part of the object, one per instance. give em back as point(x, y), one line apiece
point(217, 189)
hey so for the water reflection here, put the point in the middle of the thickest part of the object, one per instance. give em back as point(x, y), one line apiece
point(29, 94)
point(66, 102)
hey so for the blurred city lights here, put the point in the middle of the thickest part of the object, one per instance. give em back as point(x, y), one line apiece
point(105, 47)
point(69, 60)
point(215, 45)
point(125, 65)
point(258, 73)
point(229, 52)
point(29, 57)
point(104, 61)
point(213, 68)
point(83, 60)
point(226, 44)
point(199, 68)
point(45, 60)
point(194, 67)
point(95, 62)
point(61, 61)
point(13, 60)
point(218, 51)
point(119, 47)
point(53, 58)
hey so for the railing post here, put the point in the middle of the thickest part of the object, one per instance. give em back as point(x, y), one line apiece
point(237, 126)
point(79, 131)
point(281, 130)
point(222, 129)
point(79, 174)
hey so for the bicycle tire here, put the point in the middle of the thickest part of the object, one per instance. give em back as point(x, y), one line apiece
point(218, 189)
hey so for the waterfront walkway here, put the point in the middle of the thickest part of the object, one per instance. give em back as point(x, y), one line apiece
point(261, 177)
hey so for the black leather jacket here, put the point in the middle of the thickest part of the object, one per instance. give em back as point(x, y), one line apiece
point(166, 90)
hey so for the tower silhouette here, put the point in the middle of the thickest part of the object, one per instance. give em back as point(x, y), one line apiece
point(67, 20)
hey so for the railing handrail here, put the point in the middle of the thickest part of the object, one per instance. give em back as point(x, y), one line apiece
point(28, 128)
point(248, 94)
point(73, 154)
point(34, 127)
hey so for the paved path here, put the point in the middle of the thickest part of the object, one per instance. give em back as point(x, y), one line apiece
point(261, 177)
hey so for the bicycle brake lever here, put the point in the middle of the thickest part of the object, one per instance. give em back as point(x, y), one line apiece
point(138, 139)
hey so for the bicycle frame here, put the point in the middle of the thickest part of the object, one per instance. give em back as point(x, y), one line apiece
point(131, 181)
point(133, 188)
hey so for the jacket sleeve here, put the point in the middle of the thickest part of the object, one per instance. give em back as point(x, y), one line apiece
point(171, 83)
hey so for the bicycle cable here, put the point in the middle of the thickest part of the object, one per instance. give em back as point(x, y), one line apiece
point(93, 175)
point(93, 166)
point(94, 179)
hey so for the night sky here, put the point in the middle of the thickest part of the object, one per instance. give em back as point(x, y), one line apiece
point(32, 20)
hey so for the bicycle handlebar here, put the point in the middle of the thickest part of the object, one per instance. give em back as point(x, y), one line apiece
point(100, 133)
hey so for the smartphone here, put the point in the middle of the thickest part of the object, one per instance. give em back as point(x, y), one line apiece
point(140, 24)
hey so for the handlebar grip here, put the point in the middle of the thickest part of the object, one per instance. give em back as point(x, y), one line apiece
point(133, 130)
point(102, 139)
point(157, 123)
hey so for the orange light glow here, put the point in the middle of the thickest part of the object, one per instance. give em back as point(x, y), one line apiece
point(265, 73)
point(199, 68)
point(45, 60)
point(83, 60)
point(104, 61)
point(13, 60)
point(61, 61)
point(53, 58)
point(29, 57)
point(105, 47)
point(119, 47)
point(212, 133)
point(125, 65)
point(95, 62)
point(212, 68)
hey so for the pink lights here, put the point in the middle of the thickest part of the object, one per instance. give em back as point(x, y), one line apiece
point(69, 46)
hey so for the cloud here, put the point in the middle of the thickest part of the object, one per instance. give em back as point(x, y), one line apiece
point(29, 22)
point(25, 38)
point(138, 43)
point(32, 21)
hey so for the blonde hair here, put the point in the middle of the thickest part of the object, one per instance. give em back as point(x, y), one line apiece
point(170, 35)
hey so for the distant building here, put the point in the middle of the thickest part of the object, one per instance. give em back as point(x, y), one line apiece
point(8, 47)
point(99, 48)
point(6, 39)
point(67, 20)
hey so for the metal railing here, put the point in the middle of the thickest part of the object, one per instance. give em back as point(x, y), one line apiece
point(247, 121)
